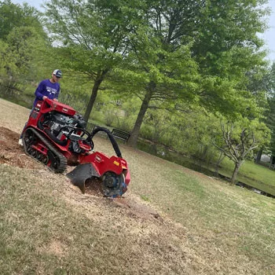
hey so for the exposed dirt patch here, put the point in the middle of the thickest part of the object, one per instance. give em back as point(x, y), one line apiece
point(12, 153)
point(56, 248)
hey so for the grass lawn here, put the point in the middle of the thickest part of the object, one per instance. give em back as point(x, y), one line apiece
point(221, 219)
point(203, 226)
point(257, 176)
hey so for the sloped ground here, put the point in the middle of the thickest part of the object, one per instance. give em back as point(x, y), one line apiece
point(51, 228)
point(11, 153)
point(137, 233)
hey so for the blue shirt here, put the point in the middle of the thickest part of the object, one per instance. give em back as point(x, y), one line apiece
point(48, 89)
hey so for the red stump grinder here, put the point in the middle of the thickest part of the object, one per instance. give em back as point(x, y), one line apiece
point(56, 136)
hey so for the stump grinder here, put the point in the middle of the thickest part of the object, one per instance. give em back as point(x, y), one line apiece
point(56, 135)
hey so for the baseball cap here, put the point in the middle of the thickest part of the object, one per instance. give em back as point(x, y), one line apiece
point(57, 73)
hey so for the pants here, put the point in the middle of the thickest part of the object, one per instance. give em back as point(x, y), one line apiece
point(21, 136)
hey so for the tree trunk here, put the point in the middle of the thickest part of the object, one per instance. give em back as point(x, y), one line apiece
point(204, 153)
point(259, 155)
point(143, 109)
point(235, 172)
point(99, 79)
point(272, 162)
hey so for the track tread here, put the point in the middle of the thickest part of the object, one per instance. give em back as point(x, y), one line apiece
point(63, 161)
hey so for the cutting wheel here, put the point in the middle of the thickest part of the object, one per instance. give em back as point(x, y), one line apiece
point(113, 185)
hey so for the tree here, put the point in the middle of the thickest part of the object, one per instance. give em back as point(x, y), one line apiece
point(221, 36)
point(92, 35)
point(261, 83)
point(238, 140)
point(161, 48)
point(270, 113)
point(21, 36)
point(14, 15)
point(193, 51)
point(18, 58)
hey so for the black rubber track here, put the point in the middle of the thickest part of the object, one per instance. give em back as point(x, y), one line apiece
point(62, 160)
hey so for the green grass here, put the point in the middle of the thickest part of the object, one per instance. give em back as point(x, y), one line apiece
point(257, 176)
point(145, 198)
point(220, 217)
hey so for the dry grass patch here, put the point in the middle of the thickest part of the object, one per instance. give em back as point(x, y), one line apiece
point(49, 226)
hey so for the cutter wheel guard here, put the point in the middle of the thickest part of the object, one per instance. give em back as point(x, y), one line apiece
point(56, 136)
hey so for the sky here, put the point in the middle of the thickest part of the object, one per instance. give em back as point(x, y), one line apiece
point(268, 36)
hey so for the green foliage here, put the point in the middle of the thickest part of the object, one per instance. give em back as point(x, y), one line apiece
point(203, 63)
point(167, 61)
point(92, 35)
point(21, 40)
point(228, 44)
point(22, 43)
point(14, 16)
point(164, 51)
point(269, 85)
point(227, 49)
point(186, 131)
point(21, 54)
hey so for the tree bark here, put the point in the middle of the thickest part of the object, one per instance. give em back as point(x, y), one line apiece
point(99, 79)
point(143, 109)
point(259, 155)
point(235, 172)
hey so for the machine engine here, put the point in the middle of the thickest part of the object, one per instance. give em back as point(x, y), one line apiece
point(58, 122)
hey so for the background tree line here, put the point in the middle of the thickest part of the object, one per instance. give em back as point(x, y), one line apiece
point(190, 75)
